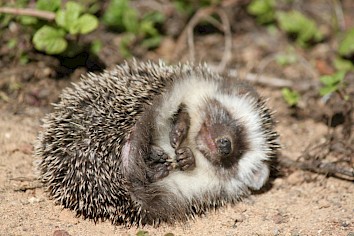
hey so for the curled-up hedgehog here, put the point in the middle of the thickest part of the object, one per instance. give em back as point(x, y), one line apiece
point(146, 143)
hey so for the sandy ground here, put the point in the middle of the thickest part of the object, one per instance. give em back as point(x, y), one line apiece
point(300, 203)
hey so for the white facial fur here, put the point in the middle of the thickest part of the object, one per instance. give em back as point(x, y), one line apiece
point(251, 171)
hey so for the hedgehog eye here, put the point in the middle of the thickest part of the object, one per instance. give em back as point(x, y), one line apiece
point(224, 146)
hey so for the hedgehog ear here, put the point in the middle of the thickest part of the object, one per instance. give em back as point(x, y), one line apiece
point(258, 177)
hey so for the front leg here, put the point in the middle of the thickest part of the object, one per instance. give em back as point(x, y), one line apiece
point(158, 165)
point(185, 158)
point(180, 127)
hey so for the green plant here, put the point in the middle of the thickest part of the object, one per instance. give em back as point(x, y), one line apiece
point(343, 65)
point(69, 21)
point(5, 19)
point(294, 22)
point(54, 37)
point(122, 17)
point(286, 58)
point(290, 96)
point(48, 5)
point(263, 10)
point(96, 46)
point(332, 83)
point(142, 233)
point(346, 45)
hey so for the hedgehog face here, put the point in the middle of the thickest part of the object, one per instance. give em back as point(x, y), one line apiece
point(221, 138)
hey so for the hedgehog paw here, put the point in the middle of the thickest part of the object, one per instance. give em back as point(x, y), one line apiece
point(179, 129)
point(159, 171)
point(185, 158)
point(159, 166)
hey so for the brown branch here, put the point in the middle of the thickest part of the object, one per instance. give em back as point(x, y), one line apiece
point(317, 167)
point(228, 40)
point(224, 26)
point(262, 79)
point(46, 15)
point(187, 32)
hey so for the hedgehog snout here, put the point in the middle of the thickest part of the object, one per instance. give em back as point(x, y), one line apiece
point(224, 146)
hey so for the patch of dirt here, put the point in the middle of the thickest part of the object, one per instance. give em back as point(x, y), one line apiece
point(301, 203)
point(296, 203)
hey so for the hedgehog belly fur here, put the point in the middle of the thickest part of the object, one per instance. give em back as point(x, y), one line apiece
point(194, 93)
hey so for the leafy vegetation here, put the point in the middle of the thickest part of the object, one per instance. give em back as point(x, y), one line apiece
point(286, 58)
point(264, 11)
point(71, 20)
point(290, 96)
point(122, 17)
point(306, 32)
point(346, 46)
point(291, 22)
point(53, 37)
point(332, 83)
point(305, 29)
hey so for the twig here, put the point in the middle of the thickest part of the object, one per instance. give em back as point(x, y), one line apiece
point(189, 34)
point(317, 167)
point(30, 187)
point(202, 13)
point(228, 40)
point(338, 11)
point(47, 15)
point(301, 87)
point(263, 80)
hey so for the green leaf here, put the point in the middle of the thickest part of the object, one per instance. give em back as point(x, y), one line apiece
point(87, 23)
point(327, 80)
point(294, 22)
point(151, 42)
point(68, 18)
point(131, 21)
point(154, 16)
point(142, 233)
point(28, 20)
point(74, 8)
point(284, 59)
point(264, 10)
point(12, 43)
point(331, 82)
point(113, 16)
point(290, 96)
point(327, 90)
point(96, 46)
point(183, 7)
point(346, 46)
point(24, 59)
point(50, 40)
point(124, 45)
point(48, 5)
point(147, 27)
point(343, 65)
point(333, 79)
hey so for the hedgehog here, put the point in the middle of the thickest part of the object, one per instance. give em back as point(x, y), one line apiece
point(146, 143)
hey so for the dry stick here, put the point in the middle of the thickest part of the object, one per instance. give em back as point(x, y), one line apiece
point(338, 10)
point(186, 31)
point(228, 40)
point(191, 25)
point(263, 80)
point(304, 85)
point(225, 27)
point(47, 15)
point(317, 167)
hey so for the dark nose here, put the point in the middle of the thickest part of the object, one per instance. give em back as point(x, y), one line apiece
point(224, 146)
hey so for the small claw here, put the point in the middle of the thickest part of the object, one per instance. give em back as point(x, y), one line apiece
point(185, 159)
